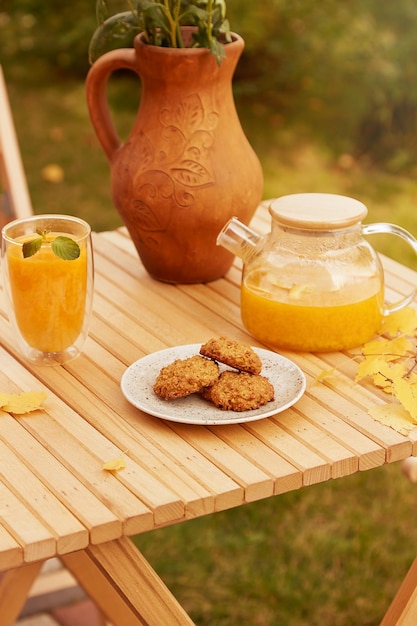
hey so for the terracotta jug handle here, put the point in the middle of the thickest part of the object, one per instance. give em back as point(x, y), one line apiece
point(96, 92)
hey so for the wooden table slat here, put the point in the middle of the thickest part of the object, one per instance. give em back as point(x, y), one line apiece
point(342, 460)
point(261, 455)
point(313, 467)
point(27, 487)
point(37, 541)
point(366, 450)
point(255, 482)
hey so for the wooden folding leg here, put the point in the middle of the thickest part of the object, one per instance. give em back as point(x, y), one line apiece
point(124, 586)
point(14, 589)
point(403, 609)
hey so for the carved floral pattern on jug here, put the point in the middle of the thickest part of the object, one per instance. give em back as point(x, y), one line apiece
point(168, 177)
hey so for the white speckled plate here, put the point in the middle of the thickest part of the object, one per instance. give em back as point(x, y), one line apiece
point(137, 386)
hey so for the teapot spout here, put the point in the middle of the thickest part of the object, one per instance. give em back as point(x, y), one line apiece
point(239, 239)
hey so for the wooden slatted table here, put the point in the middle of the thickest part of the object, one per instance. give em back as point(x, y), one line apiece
point(55, 498)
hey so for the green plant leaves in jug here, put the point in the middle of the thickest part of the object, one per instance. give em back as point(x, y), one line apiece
point(63, 247)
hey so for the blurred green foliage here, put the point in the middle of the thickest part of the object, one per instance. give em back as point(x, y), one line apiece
point(345, 69)
point(51, 38)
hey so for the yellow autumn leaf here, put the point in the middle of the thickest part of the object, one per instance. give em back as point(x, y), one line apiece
point(382, 382)
point(391, 362)
point(403, 321)
point(20, 403)
point(324, 375)
point(381, 370)
point(393, 415)
point(389, 348)
point(387, 373)
point(387, 389)
point(407, 395)
point(412, 378)
point(115, 465)
point(369, 367)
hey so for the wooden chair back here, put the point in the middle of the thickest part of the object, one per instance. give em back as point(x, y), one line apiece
point(14, 199)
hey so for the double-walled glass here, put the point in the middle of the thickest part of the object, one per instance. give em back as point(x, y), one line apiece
point(47, 266)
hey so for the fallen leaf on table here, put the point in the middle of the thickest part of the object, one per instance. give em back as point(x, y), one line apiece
point(391, 349)
point(382, 372)
point(406, 393)
point(324, 375)
point(391, 362)
point(393, 415)
point(115, 465)
point(388, 373)
point(403, 321)
point(20, 403)
point(370, 367)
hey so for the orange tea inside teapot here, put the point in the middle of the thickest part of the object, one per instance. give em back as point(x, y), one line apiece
point(314, 283)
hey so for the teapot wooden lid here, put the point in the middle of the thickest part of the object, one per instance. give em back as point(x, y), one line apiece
point(317, 211)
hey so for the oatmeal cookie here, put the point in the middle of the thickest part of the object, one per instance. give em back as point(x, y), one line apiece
point(239, 391)
point(232, 353)
point(185, 376)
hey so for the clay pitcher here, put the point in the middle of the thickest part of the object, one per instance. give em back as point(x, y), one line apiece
point(186, 167)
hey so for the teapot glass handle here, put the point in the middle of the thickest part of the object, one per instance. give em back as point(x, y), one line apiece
point(392, 229)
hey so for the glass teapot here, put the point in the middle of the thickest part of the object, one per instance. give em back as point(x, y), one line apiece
point(313, 283)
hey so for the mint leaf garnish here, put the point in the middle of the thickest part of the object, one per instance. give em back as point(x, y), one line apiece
point(31, 247)
point(65, 248)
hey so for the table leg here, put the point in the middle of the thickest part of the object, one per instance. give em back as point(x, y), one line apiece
point(403, 609)
point(14, 588)
point(124, 586)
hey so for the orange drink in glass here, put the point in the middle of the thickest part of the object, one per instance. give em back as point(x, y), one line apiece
point(48, 278)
